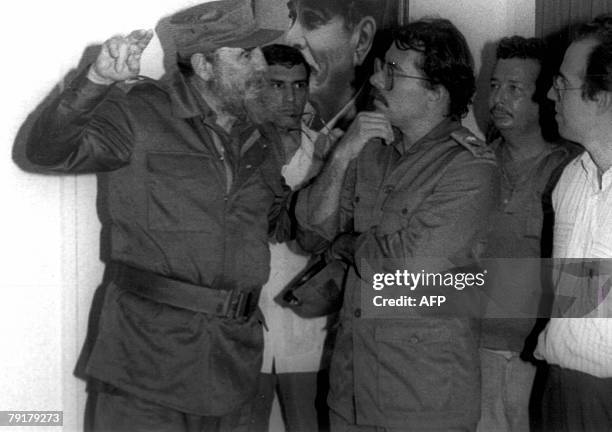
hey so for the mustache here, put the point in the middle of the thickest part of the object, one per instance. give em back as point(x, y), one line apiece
point(500, 109)
point(375, 94)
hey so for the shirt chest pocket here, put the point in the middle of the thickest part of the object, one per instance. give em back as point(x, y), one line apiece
point(366, 210)
point(415, 367)
point(183, 192)
point(397, 212)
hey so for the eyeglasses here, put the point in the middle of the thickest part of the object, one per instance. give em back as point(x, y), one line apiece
point(560, 83)
point(389, 69)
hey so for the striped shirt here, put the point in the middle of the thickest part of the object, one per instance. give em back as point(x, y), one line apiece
point(583, 229)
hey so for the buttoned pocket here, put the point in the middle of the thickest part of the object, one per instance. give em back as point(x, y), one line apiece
point(415, 363)
point(393, 219)
point(183, 190)
point(398, 211)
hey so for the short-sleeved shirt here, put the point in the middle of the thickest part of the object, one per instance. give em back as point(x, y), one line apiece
point(517, 231)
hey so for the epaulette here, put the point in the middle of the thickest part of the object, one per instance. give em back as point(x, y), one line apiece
point(127, 85)
point(475, 145)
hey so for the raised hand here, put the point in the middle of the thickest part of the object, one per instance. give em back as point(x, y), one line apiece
point(119, 58)
point(367, 125)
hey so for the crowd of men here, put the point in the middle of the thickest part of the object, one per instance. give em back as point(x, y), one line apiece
point(255, 159)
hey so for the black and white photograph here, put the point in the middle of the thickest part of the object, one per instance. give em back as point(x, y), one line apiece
point(307, 216)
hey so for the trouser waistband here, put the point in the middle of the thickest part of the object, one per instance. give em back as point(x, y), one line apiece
point(231, 304)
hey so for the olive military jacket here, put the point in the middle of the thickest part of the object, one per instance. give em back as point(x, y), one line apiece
point(432, 200)
point(184, 200)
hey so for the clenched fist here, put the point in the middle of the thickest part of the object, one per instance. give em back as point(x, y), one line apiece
point(119, 58)
point(367, 125)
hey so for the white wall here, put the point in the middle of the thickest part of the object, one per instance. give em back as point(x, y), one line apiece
point(48, 226)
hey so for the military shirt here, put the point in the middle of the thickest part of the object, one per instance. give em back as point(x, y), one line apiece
point(431, 200)
point(184, 199)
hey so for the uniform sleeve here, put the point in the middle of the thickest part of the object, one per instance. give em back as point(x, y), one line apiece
point(281, 220)
point(87, 129)
point(451, 223)
point(315, 238)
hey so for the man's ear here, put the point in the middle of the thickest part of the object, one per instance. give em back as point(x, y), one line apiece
point(438, 95)
point(363, 35)
point(603, 99)
point(201, 66)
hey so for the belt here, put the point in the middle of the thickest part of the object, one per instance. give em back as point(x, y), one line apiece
point(231, 304)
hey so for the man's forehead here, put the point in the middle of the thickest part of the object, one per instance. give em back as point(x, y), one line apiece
point(233, 53)
point(403, 58)
point(228, 52)
point(289, 74)
point(517, 69)
point(576, 56)
point(328, 7)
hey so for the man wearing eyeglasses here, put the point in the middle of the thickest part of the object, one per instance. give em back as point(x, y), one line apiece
point(578, 345)
point(411, 182)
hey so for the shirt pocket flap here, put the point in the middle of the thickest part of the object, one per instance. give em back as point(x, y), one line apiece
point(178, 164)
point(412, 333)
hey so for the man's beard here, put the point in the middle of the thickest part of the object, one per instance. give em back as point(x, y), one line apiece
point(235, 96)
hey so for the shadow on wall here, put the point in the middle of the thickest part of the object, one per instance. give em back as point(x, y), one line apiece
point(20, 159)
point(19, 145)
point(483, 79)
point(87, 58)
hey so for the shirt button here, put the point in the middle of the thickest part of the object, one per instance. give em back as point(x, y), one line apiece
point(249, 166)
point(414, 339)
point(357, 199)
point(264, 145)
point(221, 158)
point(357, 313)
point(225, 197)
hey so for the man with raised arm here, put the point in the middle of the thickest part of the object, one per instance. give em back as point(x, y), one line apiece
point(406, 182)
point(193, 188)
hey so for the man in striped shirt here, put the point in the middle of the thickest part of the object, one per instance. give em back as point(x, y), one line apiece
point(578, 345)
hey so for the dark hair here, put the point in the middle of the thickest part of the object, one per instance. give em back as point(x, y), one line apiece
point(351, 11)
point(446, 59)
point(284, 55)
point(535, 49)
point(598, 75)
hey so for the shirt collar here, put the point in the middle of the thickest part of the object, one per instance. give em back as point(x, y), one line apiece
point(497, 145)
point(185, 100)
point(440, 132)
point(592, 172)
